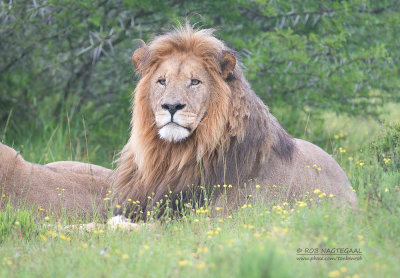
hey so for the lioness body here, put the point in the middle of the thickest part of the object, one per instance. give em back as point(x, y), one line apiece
point(70, 186)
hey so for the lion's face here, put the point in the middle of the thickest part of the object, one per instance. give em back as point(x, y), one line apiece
point(179, 95)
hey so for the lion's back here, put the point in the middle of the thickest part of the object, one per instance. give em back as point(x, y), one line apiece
point(310, 170)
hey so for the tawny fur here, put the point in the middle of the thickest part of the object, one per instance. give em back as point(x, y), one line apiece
point(81, 186)
point(238, 141)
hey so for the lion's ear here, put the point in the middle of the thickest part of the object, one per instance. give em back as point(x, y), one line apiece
point(228, 63)
point(140, 56)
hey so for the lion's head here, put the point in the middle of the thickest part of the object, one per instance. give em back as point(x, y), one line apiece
point(181, 92)
point(183, 74)
point(195, 120)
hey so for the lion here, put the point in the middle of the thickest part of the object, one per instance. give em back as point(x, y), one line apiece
point(197, 125)
point(198, 134)
point(64, 186)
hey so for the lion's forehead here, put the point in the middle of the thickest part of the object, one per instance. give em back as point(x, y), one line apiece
point(181, 67)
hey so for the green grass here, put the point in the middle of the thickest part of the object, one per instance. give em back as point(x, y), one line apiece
point(256, 241)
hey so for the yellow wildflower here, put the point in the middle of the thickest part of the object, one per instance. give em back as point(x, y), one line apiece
point(301, 204)
point(183, 262)
point(201, 265)
point(334, 273)
point(125, 256)
point(316, 191)
point(202, 250)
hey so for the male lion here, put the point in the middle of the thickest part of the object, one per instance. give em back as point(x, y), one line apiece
point(197, 129)
point(197, 124)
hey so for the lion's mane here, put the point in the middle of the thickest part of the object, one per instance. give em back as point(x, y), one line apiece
point(235, 136)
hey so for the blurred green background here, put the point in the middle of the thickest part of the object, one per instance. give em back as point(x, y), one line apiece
point(66, 76)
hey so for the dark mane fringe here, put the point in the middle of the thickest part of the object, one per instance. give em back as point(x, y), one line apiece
point(228, 146)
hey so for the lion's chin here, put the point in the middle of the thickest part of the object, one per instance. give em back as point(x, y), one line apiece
point(173, 133)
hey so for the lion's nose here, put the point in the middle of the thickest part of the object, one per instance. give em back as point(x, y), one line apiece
point(172, 108)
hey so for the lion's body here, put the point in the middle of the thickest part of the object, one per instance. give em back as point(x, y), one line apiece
point(236, 141)
point(281, 181)
point(67, 185)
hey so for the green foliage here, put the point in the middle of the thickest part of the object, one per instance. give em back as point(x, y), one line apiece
point(310, 56)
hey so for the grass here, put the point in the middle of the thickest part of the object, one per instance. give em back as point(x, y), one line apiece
point(256, 241)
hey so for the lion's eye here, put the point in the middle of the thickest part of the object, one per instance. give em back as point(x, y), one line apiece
point(161, 81)
point(195, 82)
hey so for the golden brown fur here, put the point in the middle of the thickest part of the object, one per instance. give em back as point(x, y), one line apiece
point(236, 140)
point(59, 186)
